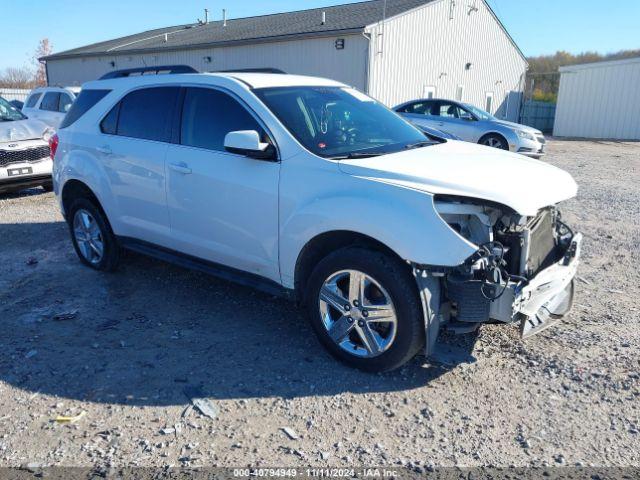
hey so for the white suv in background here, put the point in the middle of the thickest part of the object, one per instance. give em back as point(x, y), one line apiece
point(24, 151)
point(50, 104)
point(311, 188)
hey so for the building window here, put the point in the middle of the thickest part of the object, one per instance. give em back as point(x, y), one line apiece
point(488, 103)
point(429, 91)
point(460, 93)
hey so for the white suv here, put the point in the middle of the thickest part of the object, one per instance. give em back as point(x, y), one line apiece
point(50, 104)
point(25, 160)
point(308, 187)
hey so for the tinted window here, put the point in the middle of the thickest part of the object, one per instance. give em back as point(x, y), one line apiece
point(147, 113)
point(33, 99)
point(208, 115)
point(86, 100)
point(50, 101)
point(421, 108)
point(65, 103)
point(109, 124)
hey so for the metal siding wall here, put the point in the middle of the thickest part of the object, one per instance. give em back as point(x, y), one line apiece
point(317, 56)
point(602, 101)
point(421, 45)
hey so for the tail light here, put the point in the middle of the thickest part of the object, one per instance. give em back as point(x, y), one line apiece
point(53, 146)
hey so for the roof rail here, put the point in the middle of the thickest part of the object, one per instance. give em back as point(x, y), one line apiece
point(253, 70)
point(165, 69)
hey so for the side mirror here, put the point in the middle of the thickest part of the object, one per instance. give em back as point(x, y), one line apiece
point(247, 142)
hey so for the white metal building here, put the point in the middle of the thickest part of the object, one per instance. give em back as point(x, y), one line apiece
point(396, 50)
point(600, 100)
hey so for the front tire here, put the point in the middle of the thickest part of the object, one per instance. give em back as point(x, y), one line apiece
point(495, 141)
point(365, 309)
point(93, 240)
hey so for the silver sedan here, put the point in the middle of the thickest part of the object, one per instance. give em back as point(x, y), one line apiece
point(474, 125)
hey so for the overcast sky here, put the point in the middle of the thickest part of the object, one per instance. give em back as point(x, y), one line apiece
point(538, 26)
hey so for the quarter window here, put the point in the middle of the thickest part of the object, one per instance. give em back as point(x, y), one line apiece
point(50, 101)
point(33, 99)
point(208, 115)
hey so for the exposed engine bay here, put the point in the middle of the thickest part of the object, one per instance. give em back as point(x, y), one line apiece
point(517, 273)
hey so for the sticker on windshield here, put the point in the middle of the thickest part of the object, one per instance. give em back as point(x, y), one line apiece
point(359, 95)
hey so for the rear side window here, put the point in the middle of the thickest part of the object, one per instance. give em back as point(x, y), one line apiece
point(50, 101)
point(145, 114)
point(65, 103)
point(33, 99)
point(208, 115)
point(86, 101)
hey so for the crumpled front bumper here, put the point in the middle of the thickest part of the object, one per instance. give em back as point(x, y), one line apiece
point(544, 299)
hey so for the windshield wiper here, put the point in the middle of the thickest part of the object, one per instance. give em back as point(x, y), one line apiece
point(413, 146)
point(355, 155)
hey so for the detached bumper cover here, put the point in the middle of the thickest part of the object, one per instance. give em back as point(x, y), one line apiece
point(546, 297)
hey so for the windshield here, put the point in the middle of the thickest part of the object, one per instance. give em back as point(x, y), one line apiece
point(337, 122)
point(481, 114)
point(8, 112)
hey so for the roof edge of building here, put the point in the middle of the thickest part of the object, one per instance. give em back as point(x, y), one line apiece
point(197, 46)
point(602, 64)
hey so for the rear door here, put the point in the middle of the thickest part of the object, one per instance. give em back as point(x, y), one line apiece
point(48, 111)
point(454, 119)
point(223, 206)
point(132, 147)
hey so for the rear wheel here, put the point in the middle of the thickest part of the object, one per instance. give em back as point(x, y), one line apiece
point(495, 141)
point(47, 187)
point(93, 240)
point(365, 309)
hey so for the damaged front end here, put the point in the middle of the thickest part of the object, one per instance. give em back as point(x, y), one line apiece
point(523, 270)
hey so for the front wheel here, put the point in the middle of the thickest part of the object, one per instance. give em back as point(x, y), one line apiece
point(365, 309)
point(494, 141)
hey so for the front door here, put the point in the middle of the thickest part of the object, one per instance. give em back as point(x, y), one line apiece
point(223, 207)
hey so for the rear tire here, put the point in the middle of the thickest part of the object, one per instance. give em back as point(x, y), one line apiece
point(386, 279)
point(92, 237)
point(47, 187)
point(495, 141)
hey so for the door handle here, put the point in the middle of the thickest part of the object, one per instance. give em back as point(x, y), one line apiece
point(105, 150)
point(180, 168)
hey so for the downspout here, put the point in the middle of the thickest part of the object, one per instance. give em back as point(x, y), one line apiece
point(367, 62)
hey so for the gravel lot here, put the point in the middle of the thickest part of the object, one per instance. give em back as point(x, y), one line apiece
point(139, 338)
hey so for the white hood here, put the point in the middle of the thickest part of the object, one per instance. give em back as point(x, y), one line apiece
point(28, 129)
point(470, 170)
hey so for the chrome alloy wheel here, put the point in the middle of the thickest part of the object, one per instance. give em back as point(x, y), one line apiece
point(88, 236)
point(358, 313)
point(494, 142)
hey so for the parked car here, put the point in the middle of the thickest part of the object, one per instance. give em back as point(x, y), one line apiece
point(24, 151)
point(50, 104)
point(307, 187)
point(17, 104)
point(474, 125)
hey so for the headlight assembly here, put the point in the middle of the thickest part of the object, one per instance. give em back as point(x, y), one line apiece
point(525, 135)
